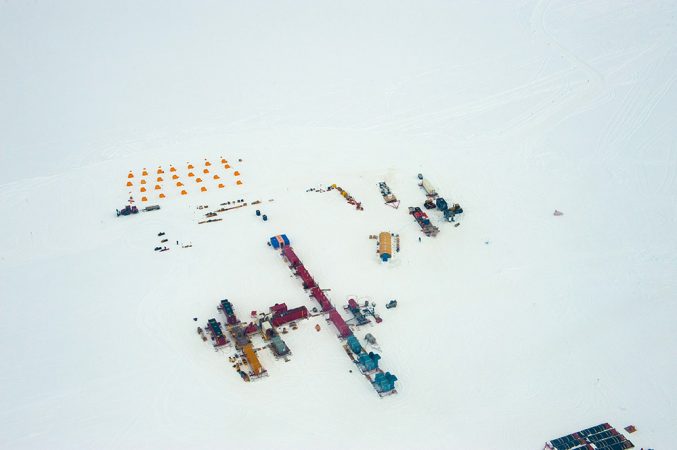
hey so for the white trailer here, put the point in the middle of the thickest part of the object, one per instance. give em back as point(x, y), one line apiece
point(428, 187)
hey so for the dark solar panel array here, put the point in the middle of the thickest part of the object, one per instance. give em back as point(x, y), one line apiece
point(602, 437)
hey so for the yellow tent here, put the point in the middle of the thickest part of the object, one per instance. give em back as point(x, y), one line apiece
point(239, 182)
point(143, 181)
point(385, 245)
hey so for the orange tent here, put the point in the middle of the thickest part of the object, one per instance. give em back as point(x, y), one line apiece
point(178, 183)
point(239, 182)
point(191, 174)
point(221, 186)
point(130, 174)
point(159, 171)
point(157, 187)
point(198, 180)
point(175, 177)
point(216, 177)
point(143, 189)
point(145, 172)
point(203, 189)
point(143, 181)
point(129, 183)
point(160, 179)
point(172, 169)
point(190, 166)
point(208, 163)
point(236, 173)
point(205, 171)
point(223, 161)
point(184, 192)
point(227, 166)
point(162, 195)
point(144, 199)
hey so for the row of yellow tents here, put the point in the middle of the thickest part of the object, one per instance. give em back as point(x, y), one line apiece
point(189, 167)
point(191, 174)
point(179, 184)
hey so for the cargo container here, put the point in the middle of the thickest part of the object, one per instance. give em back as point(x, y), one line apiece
point(321, 298)
point(252, 359)
point(340, 324)
point(428, 187)
point(278, 308)
point(279, 241)
point(278, 346)
point(290, 315)
point(290, 256)
point(306, 278)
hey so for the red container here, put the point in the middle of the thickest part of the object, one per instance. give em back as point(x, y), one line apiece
point(278, 308)
point(290, 256)
point(292, 314)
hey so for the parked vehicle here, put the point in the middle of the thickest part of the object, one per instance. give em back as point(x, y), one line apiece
point(127, 210)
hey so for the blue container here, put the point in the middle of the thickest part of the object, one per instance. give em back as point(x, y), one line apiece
point(354, 345)
point(258, 212)
point(279, 240)
point(265, 218)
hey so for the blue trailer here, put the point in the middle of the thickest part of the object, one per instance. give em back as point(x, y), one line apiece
point(279, 241)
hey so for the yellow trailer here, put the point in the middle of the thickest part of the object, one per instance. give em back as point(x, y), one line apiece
point(252, 359)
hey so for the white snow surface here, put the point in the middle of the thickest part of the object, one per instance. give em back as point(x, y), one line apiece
point(512, 329)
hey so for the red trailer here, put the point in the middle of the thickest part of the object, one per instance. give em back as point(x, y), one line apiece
point(321, 298)
point(306, 278)
point(291, 314)
point(290, 256)
point(340, 324)
point(278, 308)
